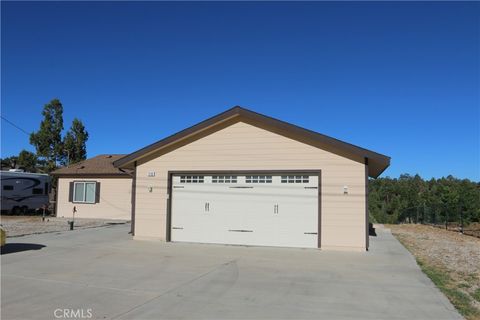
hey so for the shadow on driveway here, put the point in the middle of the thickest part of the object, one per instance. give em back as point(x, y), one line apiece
point(19, 247)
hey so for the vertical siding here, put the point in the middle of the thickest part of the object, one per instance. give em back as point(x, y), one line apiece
point(245, 147)
point(115, 199)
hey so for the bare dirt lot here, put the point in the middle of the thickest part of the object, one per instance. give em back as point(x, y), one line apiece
point(450, 259)
point(22, 225)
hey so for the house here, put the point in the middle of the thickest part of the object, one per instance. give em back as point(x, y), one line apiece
point(247, 179)
point(95, 188)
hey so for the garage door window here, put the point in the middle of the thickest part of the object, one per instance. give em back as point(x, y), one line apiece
point(294, 179)
point(224, 179)
point(191, 179)
point(258, 179)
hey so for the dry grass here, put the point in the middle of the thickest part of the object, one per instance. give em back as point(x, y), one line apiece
point(24, 225)
point(450, 259)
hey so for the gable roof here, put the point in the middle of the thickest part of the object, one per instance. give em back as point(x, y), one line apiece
point(377, 162)
point(101, 165)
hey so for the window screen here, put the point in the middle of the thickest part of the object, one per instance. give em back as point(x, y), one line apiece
point(90, 192)
point(79, 192)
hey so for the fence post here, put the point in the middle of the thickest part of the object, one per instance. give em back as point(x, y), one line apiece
point(461, 219)
point(423, 213)
point(446, 217)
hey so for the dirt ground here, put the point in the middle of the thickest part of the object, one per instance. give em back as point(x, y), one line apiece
point(23, 225)
point(453, 253)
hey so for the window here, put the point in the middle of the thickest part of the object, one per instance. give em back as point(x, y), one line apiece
point(224, 179)
point(84, 192)
point(295, 179)
point(37, 191)
point(258, 179)
point(7, 187)
point(191, 179)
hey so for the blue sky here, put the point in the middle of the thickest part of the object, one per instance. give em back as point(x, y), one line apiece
point(401, 79)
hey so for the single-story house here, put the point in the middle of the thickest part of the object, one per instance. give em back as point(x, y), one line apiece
point(246, 179)
point(95, 188)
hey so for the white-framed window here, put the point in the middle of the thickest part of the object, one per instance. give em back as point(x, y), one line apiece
point(295, 179)
point(258, 179)
point(84, 192)
point(191, 179)
point(224, 179)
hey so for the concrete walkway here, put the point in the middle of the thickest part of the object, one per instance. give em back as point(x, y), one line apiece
point(103, 273)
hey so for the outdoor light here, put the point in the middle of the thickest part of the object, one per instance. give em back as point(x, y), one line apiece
point(345, 190)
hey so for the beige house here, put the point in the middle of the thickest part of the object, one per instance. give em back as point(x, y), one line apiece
point(246, 179)
point(95, 188)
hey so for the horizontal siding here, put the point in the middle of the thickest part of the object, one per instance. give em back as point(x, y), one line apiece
point(245, 147)
point(115, 200)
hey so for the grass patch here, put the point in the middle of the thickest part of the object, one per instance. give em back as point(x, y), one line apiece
point(464, 285)
point(461, 300)
point(476, 295)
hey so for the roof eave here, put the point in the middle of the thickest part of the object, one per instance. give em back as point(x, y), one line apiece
point(87, 174)
point(383, 161)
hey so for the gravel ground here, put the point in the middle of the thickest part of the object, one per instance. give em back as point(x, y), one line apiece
point(22, 225)
point(454, 253)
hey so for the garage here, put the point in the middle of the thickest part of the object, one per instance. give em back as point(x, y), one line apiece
point(244, 178)
point(252, 208)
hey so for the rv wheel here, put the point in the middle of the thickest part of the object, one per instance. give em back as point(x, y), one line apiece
point(24, 210)
point(16, 210)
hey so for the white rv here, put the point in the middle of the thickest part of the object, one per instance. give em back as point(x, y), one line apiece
point(23, 191)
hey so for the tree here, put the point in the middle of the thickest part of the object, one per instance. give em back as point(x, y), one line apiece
point(27, 161)
point(412, 199)
point(47, 140)
point(74, 143)
point(9, 163)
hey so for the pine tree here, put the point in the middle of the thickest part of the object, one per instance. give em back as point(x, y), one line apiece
point(74, 143)
point(47, 140)
point(27, 161)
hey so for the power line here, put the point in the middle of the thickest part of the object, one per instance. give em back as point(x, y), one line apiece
point(14, 125)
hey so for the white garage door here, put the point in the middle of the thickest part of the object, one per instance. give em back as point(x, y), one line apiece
point(257, 209)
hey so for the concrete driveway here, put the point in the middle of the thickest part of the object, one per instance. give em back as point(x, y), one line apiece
point(102, 273)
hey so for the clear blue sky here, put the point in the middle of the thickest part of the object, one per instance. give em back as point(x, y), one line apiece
point(401, 79)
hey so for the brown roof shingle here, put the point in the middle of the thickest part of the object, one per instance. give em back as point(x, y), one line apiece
point(99, 165)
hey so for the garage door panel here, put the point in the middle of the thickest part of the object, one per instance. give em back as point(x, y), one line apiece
point(248, 210)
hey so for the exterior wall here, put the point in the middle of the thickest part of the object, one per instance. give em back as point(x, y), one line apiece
point(115, 199)
point(245, 147)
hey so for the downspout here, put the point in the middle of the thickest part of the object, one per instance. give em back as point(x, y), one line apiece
point(134, 192)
